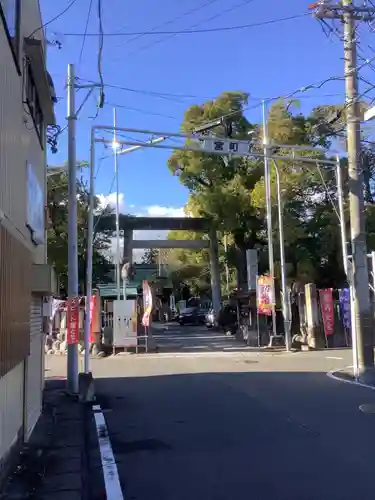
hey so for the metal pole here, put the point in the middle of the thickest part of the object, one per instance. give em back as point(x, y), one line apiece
point(362, 306)
point(226, 265)
point(72, 358)
point(118, 257)
point(267, 182)
point(340, 197)
point(284, 289)
point(90, 250)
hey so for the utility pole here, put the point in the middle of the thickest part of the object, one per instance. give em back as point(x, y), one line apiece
point(72, 361)
point(118, 257)
point(267, 182)
point(348, 13)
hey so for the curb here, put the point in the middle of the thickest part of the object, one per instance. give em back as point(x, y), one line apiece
point(333, 374)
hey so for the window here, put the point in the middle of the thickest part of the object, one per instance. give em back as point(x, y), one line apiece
point(33, 103)
point(10, 13)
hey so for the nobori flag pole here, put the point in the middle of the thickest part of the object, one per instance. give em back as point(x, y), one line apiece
point(267, 182)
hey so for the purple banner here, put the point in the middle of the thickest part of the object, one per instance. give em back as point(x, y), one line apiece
point(345, 307)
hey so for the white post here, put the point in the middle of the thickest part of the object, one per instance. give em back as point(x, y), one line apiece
point(284, 289)
point(267, 182)
point(226, 264)
point(90, 250)
point(118, 257)
point(72, 358)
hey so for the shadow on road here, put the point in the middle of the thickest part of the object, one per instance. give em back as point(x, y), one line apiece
point(239, 435)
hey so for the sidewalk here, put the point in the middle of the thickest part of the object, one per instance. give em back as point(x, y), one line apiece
point(61, 460)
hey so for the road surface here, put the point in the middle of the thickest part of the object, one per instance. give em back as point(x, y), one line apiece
point(237, 425)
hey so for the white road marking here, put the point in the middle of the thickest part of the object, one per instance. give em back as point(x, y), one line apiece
point(110, 472)
point(332, 374)
point(333, 357)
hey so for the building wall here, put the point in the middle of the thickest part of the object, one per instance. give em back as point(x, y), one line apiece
point(19, 145)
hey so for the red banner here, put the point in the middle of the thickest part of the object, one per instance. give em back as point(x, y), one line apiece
point(92, 309)
point(265, 301)
point(73, 321)
point(326, 306)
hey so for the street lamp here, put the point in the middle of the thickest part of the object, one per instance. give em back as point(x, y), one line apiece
point(90, 230)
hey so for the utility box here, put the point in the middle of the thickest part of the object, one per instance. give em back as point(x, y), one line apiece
point(124, 323)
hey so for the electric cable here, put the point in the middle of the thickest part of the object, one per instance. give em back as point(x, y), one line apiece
point(170, 21)
point(53, 19)
point(191, 32)
point(211, 18)
point(86, 28)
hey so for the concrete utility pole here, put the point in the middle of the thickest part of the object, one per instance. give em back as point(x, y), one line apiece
point(72, 361)
point(348, 13)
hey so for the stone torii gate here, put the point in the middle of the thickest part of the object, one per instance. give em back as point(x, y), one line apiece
point(130, 224)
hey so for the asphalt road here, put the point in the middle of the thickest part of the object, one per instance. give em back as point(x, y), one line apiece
point(237, 425)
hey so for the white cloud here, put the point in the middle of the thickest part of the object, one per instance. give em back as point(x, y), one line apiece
point(159, 211)
point(110, 200)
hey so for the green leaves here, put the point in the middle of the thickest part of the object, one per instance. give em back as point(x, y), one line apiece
point(232, 194)
point(57, 203)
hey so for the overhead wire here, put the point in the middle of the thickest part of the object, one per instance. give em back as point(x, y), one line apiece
point(191, 31)
point(53, 19)
point(206, 20)
point(170, 21)
point(144, 111)
point(86, 28)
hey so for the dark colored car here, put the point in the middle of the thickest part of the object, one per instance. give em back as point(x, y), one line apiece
point(192, 316)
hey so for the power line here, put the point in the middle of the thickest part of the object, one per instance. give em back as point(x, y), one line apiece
point(170, 21)
point(86, 28)
point(211, 18)
point(139, 110)
point(188, 32)
point(53, 19)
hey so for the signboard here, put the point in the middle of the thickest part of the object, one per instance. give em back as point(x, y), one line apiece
point(344, 298)
point(73, 321)
point(124, 323)
point(147, 304)
point(265, 300)
point(252, 268)
point(326, 306)
point(225, 146)
point(35, 207)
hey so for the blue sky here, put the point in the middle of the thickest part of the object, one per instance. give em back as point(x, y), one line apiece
point(265, 61)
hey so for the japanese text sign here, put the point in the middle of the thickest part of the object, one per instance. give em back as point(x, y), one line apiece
point(326, 306)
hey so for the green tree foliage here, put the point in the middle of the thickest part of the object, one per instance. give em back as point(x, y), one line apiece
point(231, 194)
point(150, 256)
point(57, 203)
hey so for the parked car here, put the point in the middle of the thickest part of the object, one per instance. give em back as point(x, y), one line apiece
point(192, 315)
